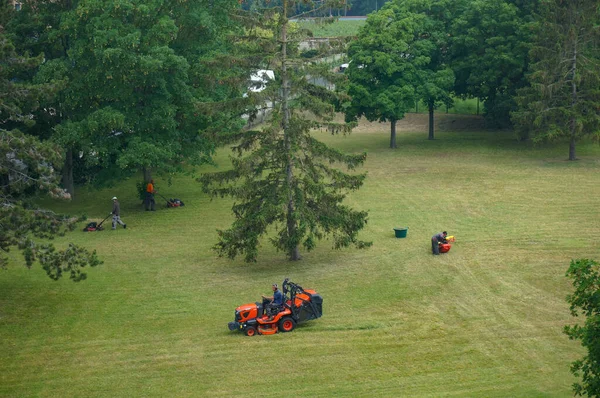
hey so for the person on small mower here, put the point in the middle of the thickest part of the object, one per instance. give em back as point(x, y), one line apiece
point(116, 213)
point(150, 191)
point(436, 240)
point(272, 305)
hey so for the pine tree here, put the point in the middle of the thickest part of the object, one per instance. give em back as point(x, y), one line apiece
point(27, 169)
point(564, 98)
point(282, 175)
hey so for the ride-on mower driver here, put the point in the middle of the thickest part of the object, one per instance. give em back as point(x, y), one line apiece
point(272, 305)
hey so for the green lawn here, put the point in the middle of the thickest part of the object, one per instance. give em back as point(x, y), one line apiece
point(485, 320)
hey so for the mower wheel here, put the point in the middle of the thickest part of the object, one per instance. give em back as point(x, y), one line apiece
point(250, 331)
point(287, 324)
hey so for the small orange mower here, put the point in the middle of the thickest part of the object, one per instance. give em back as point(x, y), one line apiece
point(299, 305)
point(445, 247)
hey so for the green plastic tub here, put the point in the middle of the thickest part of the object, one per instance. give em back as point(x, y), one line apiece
point(401, 232)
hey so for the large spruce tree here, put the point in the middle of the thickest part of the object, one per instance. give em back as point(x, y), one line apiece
point(563, 101)
point(27, 170)
point(284, 180)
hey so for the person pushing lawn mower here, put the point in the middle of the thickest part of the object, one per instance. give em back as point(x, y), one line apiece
point(116, 214)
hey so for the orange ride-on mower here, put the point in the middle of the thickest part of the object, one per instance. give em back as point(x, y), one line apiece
point(299, 305)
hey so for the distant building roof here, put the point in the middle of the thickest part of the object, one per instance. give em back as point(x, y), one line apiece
point(259, 80)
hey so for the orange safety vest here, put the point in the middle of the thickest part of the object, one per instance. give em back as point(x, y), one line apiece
point(150, 188)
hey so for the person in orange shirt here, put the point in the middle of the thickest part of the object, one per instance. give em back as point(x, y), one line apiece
point(150, 196)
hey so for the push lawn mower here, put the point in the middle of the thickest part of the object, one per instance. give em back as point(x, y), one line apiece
point(94, 226)
point(299, 305)
point(172, 202)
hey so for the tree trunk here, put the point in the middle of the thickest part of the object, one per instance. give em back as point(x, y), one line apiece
point(573, 104)
point(4, 184)
point(67, 174)
point(147, 171)
point(294, 252)
point(431, 125)
point(572, 148)
point(393, 134)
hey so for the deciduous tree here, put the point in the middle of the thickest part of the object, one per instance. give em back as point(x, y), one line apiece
point(429, 54)
point(585, 301)
point(134, 75)
point(380, 84)
point(400, 57)
point(489, 44)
